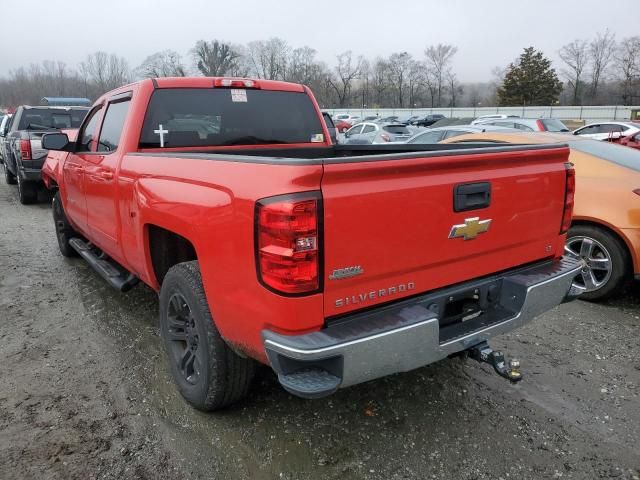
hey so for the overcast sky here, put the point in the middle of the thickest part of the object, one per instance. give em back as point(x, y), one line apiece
point(488, 33)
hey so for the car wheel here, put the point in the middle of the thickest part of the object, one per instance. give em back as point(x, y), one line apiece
point(606, 261)
point(64, 230)
point(27, 191)
point(9, 177)
point(208, 373)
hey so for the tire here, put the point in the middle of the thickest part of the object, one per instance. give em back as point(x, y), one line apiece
point(608, 261)
point(9, 177)
point(208, 374)
point(27, 191)
point(64, 230)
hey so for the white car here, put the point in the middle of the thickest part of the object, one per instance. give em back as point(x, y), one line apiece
point(608, 130)
point(345, 117)
point(496, 116)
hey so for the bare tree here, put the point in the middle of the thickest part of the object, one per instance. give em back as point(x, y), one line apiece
point(439, 58)
point(379, 77)
point(162, 64)
point(601, 50)
point(269, 58)
point(416, 78)
point(399, 67)
point(103, 72)
point(214, 58)
point(628, 64)
point(575, 56)
point(454, 87)
point(347, 70)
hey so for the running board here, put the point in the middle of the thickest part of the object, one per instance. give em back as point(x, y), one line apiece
point(115, 275)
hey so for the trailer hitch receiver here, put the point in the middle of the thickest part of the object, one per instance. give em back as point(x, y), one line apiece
point(483, 353)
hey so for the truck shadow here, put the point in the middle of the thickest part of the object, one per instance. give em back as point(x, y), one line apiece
point(388, 421)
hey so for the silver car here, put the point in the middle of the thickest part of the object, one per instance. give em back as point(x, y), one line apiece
point(435, 135)
point(371, 133)
point(529, 124)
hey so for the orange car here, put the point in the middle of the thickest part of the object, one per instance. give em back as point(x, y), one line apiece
point(606, 224)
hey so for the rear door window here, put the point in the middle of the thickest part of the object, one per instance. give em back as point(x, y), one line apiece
point(189, 117)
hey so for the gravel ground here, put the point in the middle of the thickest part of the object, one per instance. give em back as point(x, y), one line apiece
point(85, 393)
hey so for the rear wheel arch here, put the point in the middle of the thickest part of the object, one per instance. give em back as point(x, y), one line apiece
point(166, 249)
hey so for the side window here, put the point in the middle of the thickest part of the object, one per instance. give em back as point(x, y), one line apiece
point(112, 126)
point(354, 130)
point(369, 129)
point(610, 128)
point(430, 137)
point(86, 141)
point(523, 127)
point(453, 133)
point(588, 130)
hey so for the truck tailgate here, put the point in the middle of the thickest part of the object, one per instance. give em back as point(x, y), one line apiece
point(389, 221)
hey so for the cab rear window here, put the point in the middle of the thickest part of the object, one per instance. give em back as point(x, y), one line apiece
point(198, 117)
point(618, 154)
point(396, 129)
point(50, 118)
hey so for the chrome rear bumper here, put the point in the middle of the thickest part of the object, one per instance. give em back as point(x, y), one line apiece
point(411, 333)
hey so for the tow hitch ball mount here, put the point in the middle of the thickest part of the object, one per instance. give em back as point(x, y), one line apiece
point(483, 353)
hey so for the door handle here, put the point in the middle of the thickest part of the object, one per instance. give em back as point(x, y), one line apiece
point(471, 196)
point(106, 174)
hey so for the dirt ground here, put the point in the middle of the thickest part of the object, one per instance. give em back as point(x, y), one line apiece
point(85, 393)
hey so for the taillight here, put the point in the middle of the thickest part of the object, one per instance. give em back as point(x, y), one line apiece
point(25, 149)
point(541, 125)
point(385, 137)
point(235, 82)
point(288, 243)
point(637, 191)
point(569, 195)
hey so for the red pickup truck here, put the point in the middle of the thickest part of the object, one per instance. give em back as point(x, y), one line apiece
point(333, 264)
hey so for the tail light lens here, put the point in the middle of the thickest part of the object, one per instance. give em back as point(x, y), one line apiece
point(541, 126)
point(569, 195)
point(385, 137)
point(288, 243)
point(25, 149)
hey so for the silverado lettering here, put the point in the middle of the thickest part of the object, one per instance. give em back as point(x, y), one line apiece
point(374, 294)
point(233, 205)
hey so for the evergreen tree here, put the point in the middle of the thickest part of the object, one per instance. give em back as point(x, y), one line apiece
point(530, 81)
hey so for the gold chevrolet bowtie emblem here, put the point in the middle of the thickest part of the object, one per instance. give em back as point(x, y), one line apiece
point(470, 229)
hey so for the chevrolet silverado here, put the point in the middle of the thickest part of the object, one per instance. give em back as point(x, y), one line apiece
point(333, 264)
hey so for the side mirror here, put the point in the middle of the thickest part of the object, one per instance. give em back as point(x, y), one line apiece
point(56, 141)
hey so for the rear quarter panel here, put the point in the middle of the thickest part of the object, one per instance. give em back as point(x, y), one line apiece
point(211, 203)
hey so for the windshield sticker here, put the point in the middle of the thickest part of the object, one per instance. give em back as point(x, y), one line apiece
point(161, 131)
point(317, 138)
point(238, 95)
